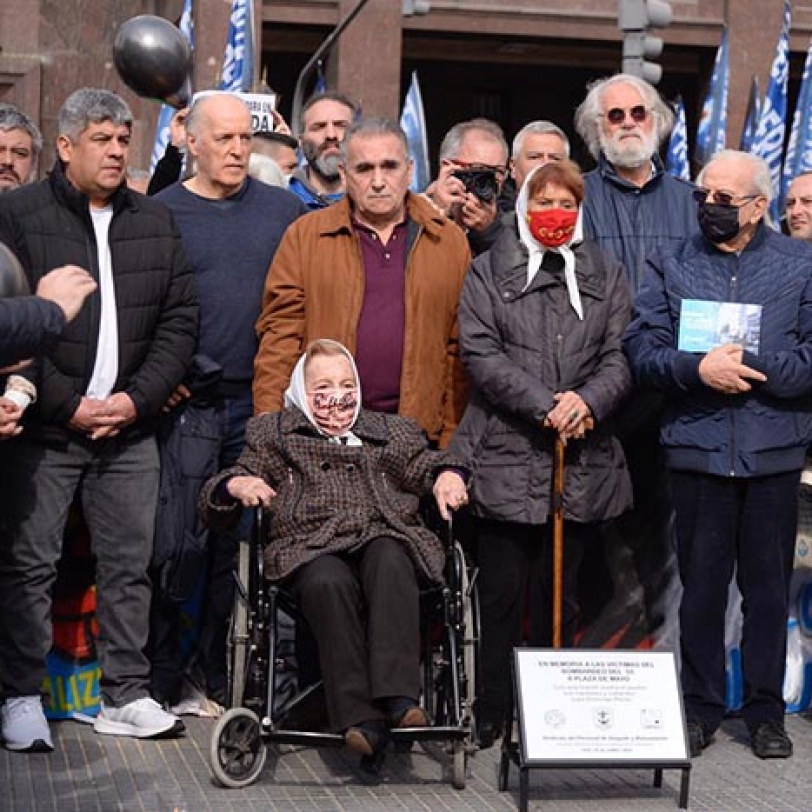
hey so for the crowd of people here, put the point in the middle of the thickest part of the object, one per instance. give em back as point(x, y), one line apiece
point(319, 339)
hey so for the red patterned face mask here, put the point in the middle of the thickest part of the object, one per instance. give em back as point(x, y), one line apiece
point(552, 227)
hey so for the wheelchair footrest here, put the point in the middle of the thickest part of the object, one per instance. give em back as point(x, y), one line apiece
point(419, 734)
point(304, 737)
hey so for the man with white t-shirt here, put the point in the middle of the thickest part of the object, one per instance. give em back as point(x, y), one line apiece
point(90, 433)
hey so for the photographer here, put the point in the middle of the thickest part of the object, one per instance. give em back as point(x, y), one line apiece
point(473, 167)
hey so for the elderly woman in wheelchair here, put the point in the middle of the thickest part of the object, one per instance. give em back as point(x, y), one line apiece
point(343, 485)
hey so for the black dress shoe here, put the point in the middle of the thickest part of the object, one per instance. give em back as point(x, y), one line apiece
point(770, 740)
point(487, 732)
point(699, 737)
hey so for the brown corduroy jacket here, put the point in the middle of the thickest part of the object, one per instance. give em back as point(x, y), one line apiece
point(315, 289)
point(333, 498)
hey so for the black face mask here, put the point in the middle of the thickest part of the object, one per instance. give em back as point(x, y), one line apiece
point(718, 223)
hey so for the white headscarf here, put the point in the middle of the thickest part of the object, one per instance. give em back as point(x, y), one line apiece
point(296, 395)
point(536, 250)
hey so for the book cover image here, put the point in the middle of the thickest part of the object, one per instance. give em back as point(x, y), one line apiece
point(705, 325)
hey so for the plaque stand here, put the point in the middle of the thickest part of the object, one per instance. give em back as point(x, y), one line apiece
point(517, 752)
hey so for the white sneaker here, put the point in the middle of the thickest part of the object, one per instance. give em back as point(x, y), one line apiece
point(143, 718)
point(25, 726)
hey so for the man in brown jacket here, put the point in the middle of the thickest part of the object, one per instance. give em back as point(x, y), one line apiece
point(381, 272)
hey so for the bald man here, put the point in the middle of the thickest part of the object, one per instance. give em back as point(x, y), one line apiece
point(231, 226)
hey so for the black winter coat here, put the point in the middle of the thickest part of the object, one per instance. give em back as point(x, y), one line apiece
point(520, 347)
point(47, 225)
point(28, 326)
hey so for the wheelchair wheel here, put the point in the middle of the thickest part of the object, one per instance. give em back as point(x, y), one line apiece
point(237, 753)
point(238, 639)
point(459, 765)
point(471, 632)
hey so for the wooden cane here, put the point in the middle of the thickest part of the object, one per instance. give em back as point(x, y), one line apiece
point(558, 539)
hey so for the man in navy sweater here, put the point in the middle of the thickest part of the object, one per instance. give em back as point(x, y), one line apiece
point(231, 226)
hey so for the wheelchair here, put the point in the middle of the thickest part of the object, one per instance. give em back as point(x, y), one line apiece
point(257, 718)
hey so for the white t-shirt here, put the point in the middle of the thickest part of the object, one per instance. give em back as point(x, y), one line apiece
point(105, 370)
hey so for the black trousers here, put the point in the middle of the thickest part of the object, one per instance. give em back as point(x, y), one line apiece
point(749, 523)
point(363, 609)
point(516, 574)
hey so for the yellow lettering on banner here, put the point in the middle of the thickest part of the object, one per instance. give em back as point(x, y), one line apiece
point(88, 679)
point(73, 693)
point(62, 700)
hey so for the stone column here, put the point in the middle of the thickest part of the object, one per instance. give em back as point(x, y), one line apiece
point(369, 55)
point(753, 27)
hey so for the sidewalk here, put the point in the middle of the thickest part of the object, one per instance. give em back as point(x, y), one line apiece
point(104, 773)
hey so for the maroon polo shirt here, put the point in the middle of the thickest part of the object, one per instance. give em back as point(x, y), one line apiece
point(379, 346)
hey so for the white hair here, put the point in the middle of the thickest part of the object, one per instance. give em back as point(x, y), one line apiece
point(587, 116)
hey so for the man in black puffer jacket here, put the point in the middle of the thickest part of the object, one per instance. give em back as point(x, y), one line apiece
point(723, 326)
point(91, 430)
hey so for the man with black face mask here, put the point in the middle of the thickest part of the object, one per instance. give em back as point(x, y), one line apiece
point(723, 325)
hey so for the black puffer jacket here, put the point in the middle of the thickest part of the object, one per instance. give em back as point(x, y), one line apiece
point(520, 347)
point(28, 325)
point(47, 225)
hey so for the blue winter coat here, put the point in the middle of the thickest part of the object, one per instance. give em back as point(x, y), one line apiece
point(764, 431)
point(631, 222)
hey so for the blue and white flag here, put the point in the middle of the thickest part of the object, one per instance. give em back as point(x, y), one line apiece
point(238, 60)
point(676, 159)
point(751, 118)
point(186, 25)
point(772, 124)
point(712, 130)
point(799, 150)
point(321, 82)
point(413, 122)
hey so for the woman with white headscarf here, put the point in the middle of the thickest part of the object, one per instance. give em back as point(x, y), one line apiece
point(344, 485)
point(541, 320)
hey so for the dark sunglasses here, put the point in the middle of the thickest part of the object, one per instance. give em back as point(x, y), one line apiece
point(617, 115)
point(722, 198)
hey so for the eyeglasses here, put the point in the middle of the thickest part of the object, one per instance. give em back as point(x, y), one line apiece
point(722, 198)
point(617, 115)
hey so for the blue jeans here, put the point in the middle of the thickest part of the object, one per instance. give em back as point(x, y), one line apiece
point(118, 485)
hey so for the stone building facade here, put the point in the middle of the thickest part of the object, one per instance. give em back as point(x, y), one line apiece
point(512, 60)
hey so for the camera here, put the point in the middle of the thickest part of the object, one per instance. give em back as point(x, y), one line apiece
point(479, 182)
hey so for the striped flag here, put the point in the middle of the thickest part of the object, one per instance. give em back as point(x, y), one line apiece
point(772, 124)
point(799, 150)
point(676, 159)
point(751, 118)
point(186, 25)
point(712, 130)
point(238, 60)
point(413, 122)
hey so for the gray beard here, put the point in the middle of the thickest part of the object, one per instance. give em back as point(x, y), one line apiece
point(326, 167)
point(629, 155)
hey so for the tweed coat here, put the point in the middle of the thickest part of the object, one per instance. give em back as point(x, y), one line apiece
point(333, 498)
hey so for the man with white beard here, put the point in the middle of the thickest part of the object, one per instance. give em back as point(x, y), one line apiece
point(631, 207)
point(631, 204)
